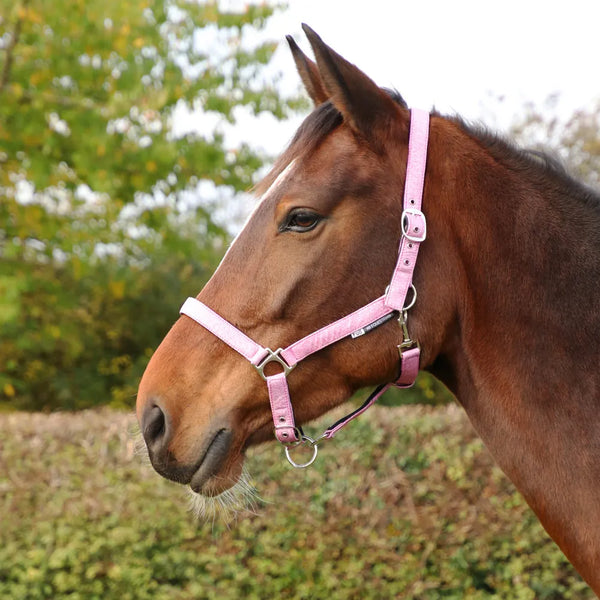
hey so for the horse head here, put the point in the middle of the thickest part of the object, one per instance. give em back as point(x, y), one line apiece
point(322, 242)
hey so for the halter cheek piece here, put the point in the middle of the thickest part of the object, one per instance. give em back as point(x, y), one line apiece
point(355, 324)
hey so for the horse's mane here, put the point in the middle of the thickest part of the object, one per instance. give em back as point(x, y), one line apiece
point(541, 166)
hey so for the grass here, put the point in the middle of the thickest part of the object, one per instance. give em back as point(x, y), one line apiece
point(405, 503)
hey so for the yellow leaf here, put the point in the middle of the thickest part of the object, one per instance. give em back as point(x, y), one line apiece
point(151, 166)
point(36, 78)
point(33, 16)
point(17, 89)
point(138, 42)
point(117, 289)
point(9, 390)
point(120, 44)
point(137, 181)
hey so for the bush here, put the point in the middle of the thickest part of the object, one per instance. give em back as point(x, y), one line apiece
point(74, 336)
point(406, 503)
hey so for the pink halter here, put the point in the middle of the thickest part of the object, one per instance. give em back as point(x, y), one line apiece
point(355, 324)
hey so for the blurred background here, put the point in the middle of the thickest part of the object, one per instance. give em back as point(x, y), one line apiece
point(130, 136)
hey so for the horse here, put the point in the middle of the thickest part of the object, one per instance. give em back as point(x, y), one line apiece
point(505, 256)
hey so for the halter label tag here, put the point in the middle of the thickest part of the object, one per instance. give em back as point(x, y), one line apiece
point(371, 326)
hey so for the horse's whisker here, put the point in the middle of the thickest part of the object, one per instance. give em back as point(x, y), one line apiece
point(227, 506)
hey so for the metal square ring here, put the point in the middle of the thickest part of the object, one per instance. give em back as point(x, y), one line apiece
point(272, 357)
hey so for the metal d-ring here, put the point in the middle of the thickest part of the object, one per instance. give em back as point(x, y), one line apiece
point(412, 300)
point(304, 440)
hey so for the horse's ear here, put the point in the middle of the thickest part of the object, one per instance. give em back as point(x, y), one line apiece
point(361, 101)
point(309, 73)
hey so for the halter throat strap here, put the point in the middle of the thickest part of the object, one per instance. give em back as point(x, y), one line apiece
point(359, 322)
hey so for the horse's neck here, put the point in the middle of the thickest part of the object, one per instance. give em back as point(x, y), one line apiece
point(526, 364)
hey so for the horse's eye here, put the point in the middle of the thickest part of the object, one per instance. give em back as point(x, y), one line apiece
point(301, 221)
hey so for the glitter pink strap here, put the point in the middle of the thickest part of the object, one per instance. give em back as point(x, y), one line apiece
point(281, 407)
point(409, 367)
point(224, 330)
point(414, 226)
point(334, 332)
point(373, 397)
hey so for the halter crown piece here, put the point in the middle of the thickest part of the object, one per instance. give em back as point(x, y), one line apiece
point(360, 322)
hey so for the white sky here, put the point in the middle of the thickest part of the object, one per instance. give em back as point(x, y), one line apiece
point(460, 56)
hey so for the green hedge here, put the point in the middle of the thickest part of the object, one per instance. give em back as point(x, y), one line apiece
point(405, 503)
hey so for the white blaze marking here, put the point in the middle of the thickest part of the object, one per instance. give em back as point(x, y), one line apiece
point(285, 174)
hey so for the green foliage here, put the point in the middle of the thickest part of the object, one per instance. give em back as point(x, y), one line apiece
point(88, 93)
point(406, 504)
point(102, 233)
point(80, 335)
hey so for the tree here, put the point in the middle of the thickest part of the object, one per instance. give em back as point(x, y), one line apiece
point(101, 231)
point(576, 140)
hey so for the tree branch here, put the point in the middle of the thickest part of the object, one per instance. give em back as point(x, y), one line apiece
point(14, 39)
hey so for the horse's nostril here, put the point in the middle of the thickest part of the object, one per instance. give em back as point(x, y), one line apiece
point(156, 424)
point(156, 429)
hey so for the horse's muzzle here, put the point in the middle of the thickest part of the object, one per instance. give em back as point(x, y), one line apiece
point(158, 431)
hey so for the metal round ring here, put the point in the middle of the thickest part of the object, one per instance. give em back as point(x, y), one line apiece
point(312, 459)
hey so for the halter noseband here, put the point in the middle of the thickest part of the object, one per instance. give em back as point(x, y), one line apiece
point(355, 324)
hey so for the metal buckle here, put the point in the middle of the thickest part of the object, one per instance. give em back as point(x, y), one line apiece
point(407, 345)
point(273, 357)
point(417, 236)
point(304, 440)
